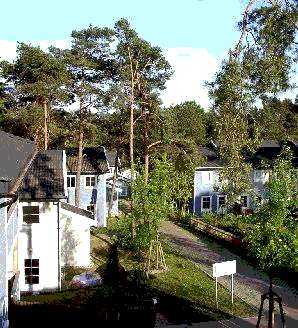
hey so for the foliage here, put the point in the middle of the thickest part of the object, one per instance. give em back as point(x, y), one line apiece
point(36, 81)
point(281, 119)
point(259, 66)
point(273, 236)
point(152, 203)
point(239, 225)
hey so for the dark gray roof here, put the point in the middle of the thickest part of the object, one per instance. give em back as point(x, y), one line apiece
point(211, 158)
point(111, 156)
point(44, 179)
point(15, 154)
point(94, 160)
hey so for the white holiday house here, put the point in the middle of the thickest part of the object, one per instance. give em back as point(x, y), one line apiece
point(16, 156)
point(53, 234)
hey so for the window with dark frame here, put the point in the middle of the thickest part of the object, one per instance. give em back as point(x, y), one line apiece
point(206, 202)
point(71, 182)
point(90, 181)
point(31, 271)
point(221, 201)
point(244, 201)
point(31, 214)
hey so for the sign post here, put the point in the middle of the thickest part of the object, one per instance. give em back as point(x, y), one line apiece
point(224, 269)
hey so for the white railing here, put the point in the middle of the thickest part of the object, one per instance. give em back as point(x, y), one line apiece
point(3, 313)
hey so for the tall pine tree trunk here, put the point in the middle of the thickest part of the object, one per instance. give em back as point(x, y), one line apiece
point(146, 148)
point(80, 161)
point(46, 132)
point(131, 136)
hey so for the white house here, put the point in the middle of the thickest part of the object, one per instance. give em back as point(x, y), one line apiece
point(17, 155)
point(96, 181)
point(53, 233)
point(208, 196)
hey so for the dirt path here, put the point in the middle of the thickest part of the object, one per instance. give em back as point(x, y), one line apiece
point(249, 283)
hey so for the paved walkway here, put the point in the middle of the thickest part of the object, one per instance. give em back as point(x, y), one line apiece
point(249, 283)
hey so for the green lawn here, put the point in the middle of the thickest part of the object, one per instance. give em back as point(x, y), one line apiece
point(184, 281)
point(184, 291)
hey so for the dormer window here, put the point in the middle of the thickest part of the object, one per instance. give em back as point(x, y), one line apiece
point(90, 181)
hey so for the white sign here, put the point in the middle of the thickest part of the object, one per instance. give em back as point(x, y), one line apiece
point(224, 268)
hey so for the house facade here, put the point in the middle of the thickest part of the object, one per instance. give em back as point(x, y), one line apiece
point(207, 196)
point(95, 181)
point(17, 155)
point(53, 233)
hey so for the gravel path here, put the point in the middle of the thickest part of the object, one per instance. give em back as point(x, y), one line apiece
point(249, 283)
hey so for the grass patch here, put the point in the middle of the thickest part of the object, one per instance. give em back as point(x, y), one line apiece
point(185, 282)
point(184, 291)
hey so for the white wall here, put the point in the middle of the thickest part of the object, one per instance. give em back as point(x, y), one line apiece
point(3, 267)
point(75, 239)
point(40, 241)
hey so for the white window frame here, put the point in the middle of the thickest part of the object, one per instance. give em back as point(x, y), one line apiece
point(223, 207)
point(261, 176)
point(247, 201)
point(203, 210)
point(75, 180)
point(90, 176)
point(34, 271)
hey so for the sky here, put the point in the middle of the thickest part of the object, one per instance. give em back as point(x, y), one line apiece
point(194, 34)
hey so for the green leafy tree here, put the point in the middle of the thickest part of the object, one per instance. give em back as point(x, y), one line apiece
point(273, 239)
point(281, 119)
point(152, 204)
point(260, 65)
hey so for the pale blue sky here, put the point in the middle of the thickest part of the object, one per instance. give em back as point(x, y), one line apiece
point(168, 23)
point(195, 34)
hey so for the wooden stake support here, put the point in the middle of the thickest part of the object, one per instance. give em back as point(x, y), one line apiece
point(275, 298)
point(156, 261)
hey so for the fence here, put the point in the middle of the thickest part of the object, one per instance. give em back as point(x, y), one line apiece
point(215, 232)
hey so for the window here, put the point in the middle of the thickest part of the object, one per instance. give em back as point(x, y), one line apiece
point(31, 271)
point(206, 203)
point(244, 201)
point(71, 182)
point(90, 208)
point(261, 176)
point(31, 214)
point(222, 199)
point(90, 182)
